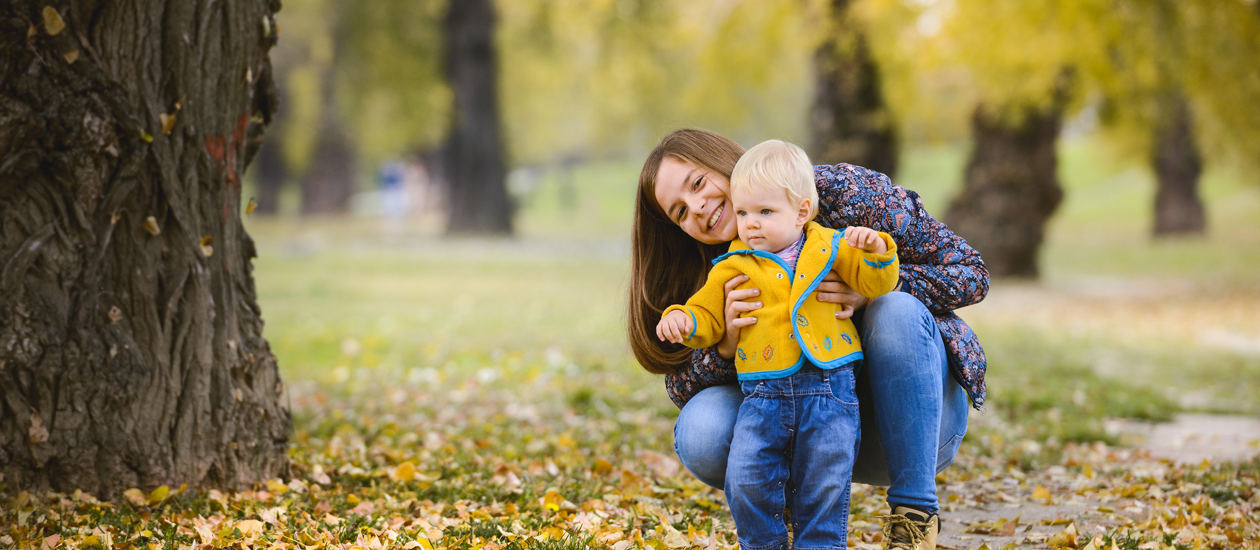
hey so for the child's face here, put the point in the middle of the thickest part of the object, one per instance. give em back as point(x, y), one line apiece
point(766, 218)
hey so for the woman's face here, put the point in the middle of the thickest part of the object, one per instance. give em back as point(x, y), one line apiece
point(696, 199)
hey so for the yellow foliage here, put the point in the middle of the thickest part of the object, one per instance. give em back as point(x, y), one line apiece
point(596, 77)
point(1131, 55)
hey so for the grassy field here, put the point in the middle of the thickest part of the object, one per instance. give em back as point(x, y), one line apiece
point(480, 394)
point(1113, 303)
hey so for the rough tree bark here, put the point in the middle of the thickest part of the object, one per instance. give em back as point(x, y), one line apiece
point(475, 171)
point(1010, 190)
point(1178, 165)
point(131, 349)
point(849, 119)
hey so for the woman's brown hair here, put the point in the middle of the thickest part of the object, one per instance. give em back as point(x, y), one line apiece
point(667, 266)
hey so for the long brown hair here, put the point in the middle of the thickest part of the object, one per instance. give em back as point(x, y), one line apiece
point(667, 266)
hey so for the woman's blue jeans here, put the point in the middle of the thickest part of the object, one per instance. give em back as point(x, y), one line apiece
point(914, 414)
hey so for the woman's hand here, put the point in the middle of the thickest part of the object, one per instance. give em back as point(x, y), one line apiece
point(832, 290)
point(735, 305)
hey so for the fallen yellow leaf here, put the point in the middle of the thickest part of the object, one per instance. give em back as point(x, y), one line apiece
point(1041, 493)
point(250, 527)
point(404, 472)
point(552, 500)
point(275, 486)
point(53, 23)
point(1064, 539)
point(673, 538)
point(603, 466)
point(158, 495)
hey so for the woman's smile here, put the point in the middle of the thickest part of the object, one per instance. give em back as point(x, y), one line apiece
point(716, 217)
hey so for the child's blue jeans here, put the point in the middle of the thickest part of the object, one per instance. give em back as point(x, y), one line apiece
point(794, 444)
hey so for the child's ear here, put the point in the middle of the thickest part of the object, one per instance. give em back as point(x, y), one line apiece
point(802, 212)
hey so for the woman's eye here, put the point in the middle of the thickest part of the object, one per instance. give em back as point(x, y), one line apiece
point(696, 185)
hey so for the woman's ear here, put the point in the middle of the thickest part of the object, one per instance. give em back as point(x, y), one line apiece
point(802, 212)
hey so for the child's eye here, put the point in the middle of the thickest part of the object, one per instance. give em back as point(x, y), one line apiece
point(765, 211)
point(740, 213)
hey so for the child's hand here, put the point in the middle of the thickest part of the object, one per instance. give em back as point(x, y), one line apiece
point(865, 238)
point(674, 327)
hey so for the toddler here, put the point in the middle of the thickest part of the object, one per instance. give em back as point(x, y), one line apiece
point(796, 433)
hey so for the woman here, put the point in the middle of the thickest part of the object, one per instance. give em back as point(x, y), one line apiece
point(914, 413)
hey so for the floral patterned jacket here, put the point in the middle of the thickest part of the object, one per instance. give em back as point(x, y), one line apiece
point(937, 267)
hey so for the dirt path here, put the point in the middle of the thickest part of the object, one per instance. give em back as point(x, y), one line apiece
point(1194, 437)
point(999, 513)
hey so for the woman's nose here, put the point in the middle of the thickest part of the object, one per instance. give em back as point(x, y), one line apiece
point(696, 205)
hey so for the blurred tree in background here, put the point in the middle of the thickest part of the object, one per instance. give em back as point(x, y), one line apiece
point(1165, 76)
point(475, 168)
point(1010, 187)
point(850, 121)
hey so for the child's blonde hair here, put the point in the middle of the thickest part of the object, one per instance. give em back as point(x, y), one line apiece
point(777, 165)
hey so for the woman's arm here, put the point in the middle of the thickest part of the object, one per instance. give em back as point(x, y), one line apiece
point(937, 266)
point(706, 369)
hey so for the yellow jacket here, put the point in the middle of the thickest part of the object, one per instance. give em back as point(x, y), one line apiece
point(768, 349)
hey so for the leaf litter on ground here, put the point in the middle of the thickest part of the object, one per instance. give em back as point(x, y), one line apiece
point(532, 457)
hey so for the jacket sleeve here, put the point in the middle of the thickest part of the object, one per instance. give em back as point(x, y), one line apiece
point(936, 265)
point(706, 309)
point(705, 370)
point(870, 274)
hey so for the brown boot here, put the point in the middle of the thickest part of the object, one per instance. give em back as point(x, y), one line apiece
point(910, 529)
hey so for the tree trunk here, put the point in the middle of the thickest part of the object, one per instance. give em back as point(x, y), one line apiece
point(1010, 191)
point(849, 120)
point(475, 171)
point(1178, 164)
point(130, 354)
point(328, 183)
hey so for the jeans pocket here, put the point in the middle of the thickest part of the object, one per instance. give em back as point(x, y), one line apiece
point(750, 388)
point(842, 387)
